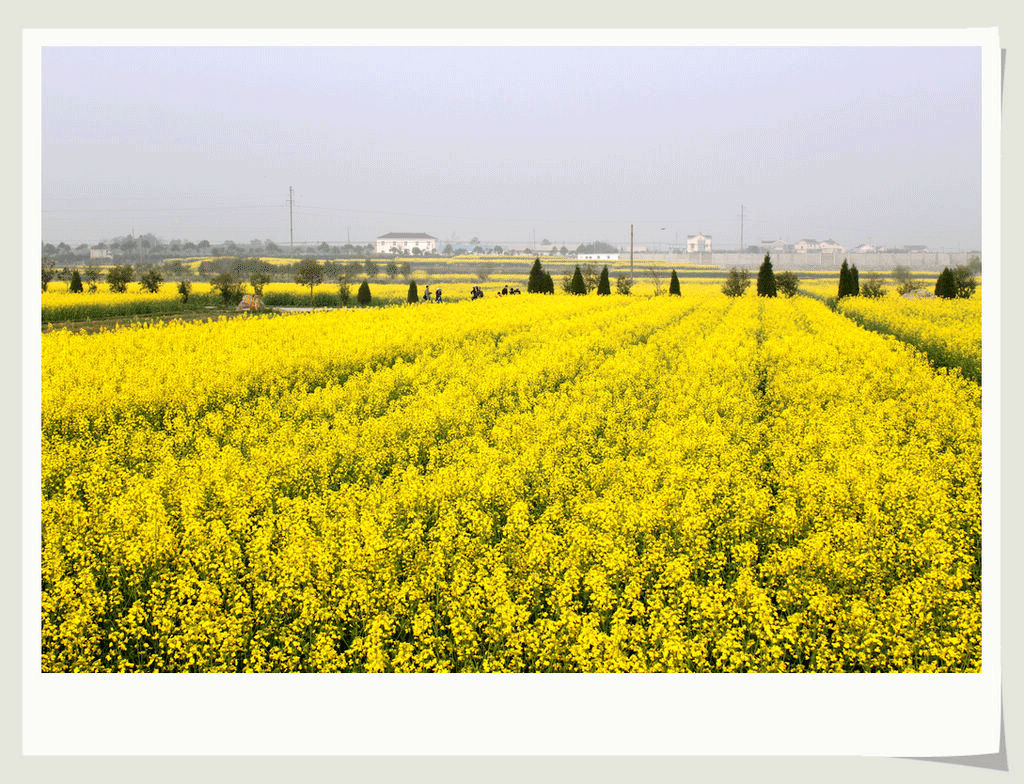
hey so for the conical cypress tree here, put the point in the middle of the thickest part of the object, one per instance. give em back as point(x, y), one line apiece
point(549, 284)
point(604, 286)
point(577, 286)
point(536, 283)
point(673, 284)
point(76, 283)
point(945, 286)
point(363, 297)
point(950, 284)
point(414, 293)
point(854, 282)
point(766, 279)
point(845, 284)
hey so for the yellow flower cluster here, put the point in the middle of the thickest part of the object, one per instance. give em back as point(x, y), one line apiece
point(531, 484)
point(59, 304)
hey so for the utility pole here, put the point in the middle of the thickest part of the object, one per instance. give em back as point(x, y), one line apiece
point(741, 228)
point(631, 251)
point(291, 219)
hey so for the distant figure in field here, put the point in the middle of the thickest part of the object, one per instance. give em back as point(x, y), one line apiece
point(478, 292)
point(426, 293)
point(437, 296)
point(504, 291)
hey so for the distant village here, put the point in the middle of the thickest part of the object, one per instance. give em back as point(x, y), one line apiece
point(148, 248)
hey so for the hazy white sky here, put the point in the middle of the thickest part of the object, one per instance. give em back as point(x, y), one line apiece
point(510, 144)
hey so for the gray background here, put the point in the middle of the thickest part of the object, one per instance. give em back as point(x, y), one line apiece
point(525, 13)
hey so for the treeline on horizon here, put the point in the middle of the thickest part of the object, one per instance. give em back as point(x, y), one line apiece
point(149, 249)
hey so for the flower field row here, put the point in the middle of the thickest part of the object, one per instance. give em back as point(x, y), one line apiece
point(573, 484)
point(60, 305)
point(947, 330)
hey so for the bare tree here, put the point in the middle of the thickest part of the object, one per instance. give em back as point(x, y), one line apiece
point(659, 287)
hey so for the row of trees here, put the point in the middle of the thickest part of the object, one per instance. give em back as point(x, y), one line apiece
point(581, 282)
point(351, 271)
point(117, 278)
point(769, 284)
point(150, 249)
point(958, 282)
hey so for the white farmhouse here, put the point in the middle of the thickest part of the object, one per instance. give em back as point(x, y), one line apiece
point(100, 253)
point(830, 246)
point(599, 256)
point(773, 246)
point(405, 242)
point(806, 246)
point(698, 243)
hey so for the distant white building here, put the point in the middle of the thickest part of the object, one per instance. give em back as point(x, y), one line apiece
point(773, 246)
point(599, 256)
point(806, 246)
point(100, 253)
point(399, 242)
point(698, 243)
point(830, 246)
point(864, 248)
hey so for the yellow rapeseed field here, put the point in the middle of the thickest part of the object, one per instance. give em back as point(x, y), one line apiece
point(591, 484)
point(947, 330)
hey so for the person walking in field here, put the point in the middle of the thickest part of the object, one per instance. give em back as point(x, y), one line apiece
point(504, 291)
point(426, 293)
point(437, 296)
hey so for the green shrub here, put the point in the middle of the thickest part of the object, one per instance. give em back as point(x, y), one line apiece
point(118, 278)
point(229, 289)
point(736, 282)
point(787, 283)
point(363, 296)
point(151, 280)
point(872, 288)
point(258, 280)
point(964, 283)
